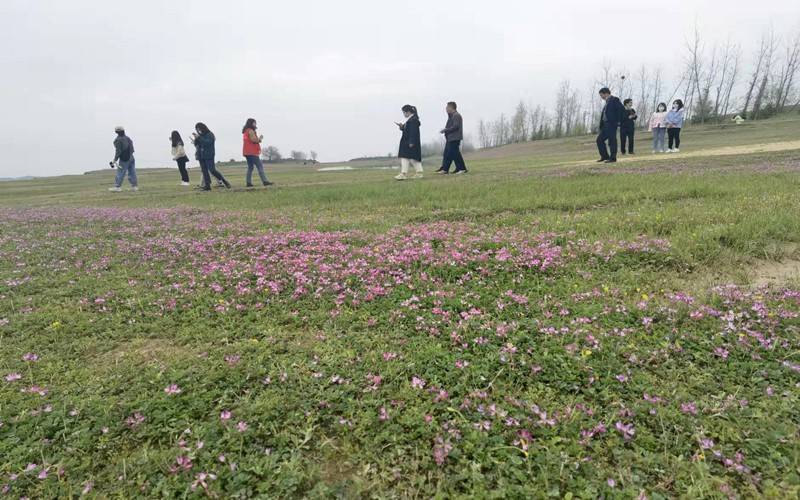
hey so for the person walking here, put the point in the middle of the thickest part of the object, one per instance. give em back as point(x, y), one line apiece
point(179, 155)
point(124, 161)
point(610, 118)
point(252, 152)
point(658, 126)
point(674, 121)
point(204, 139)
point(454, 133)
point(410, 152)
point(627, 128)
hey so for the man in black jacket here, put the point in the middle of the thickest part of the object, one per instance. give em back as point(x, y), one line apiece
point(454, 133)
point(612, 115)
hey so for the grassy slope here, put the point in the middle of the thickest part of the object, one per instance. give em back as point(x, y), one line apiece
point(721, 214)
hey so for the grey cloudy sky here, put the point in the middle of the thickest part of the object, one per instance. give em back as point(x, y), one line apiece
point(317, 74)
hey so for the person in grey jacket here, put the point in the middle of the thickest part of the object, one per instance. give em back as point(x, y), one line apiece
point(124, 161)
point(454, 133)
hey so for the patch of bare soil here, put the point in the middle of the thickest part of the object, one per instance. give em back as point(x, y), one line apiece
point(144, 352)
point(776, 273)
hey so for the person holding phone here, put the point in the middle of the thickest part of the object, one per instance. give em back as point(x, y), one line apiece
point(124, 161)
point(204, 139)
point(410, 152)
point(251, 149)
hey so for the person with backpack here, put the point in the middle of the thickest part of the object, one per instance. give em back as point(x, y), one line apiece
point(410, 152)
point(251, 149)
point(124, 161)
point(204, 140)
point(179, 155)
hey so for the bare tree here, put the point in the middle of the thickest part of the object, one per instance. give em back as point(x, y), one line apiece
point(702, 74)
point(760, 68)
point(297, 155)
point(313, 155)
point(484, 135)
point(501, 131)
point(644, 95)
point(272, 154)
point(787, 73)
point(519, 123)
point(763, 88)
point(729, 70)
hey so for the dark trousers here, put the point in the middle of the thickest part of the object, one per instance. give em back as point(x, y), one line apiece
point(626, 139)
point(607, 133)
point(207, 167)
point(452, 153)
point(182, 168)
point(674, 135)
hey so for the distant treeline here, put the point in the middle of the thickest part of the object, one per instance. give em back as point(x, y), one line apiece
point(716, 83)
point(271, 154)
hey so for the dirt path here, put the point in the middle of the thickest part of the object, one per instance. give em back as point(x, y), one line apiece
point(770, 147)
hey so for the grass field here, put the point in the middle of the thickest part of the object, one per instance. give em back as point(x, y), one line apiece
point(541, 327)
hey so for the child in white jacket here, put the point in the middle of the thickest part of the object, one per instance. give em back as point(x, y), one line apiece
point(658, 125)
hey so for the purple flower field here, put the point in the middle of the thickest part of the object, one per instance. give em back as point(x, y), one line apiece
point(162, 352)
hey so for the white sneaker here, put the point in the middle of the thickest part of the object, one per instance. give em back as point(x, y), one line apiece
point(185, 184)
point(115, 189)
point(418, 175)
point(400, 177)
point(676, 150)
point(134, 189)
point(669, 151)
point(654, 151)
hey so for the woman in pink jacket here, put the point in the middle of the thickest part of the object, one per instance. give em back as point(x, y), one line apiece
point(658, 125)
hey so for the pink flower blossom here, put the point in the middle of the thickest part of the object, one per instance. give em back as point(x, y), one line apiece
point(172, 389)
point(135, 420)
point(626, 430)
point(241, 426)
point(706, 443)
point(417, 383)
point(11, 377)
point(30, 357)
point(225, 415)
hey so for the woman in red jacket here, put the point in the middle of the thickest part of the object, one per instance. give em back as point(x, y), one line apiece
point(252, 152)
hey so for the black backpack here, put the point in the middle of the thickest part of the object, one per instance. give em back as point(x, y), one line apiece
point(125, 154)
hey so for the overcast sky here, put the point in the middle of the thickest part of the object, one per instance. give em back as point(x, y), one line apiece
point(318, 74)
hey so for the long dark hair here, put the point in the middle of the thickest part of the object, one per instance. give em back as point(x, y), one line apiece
point(410, 109)
point(202, 128)
point(658, 108)
point(250, 123)
point(679, 103)
point(176, 138)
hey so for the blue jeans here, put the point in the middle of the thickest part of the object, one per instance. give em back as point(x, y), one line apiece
point(208, 169)
point(128, 167)
point(255, 161)
point(659, 139)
